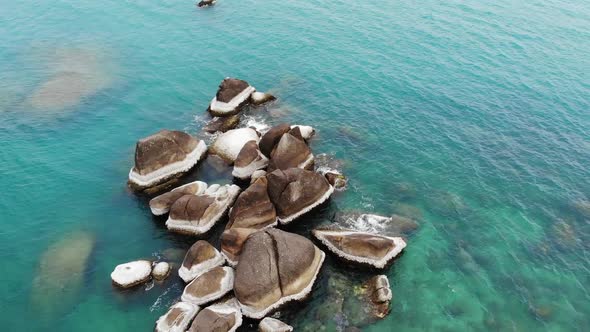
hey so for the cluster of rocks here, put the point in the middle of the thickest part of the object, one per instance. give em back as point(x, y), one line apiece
point(259, 268)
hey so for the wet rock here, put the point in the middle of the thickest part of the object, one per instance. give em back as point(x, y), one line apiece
point(161, 270)
point(209, 286)
point(296, 191)
point(131, 274)
point(161, 204)
point(221, 317)
point(232, 242)
point(306, 132)
point(359, 247)
point(206, 3)
point(231, 96)
point(259, 98)
point(222, 124)
point(197, 214)
point(272, 137)
point(269, 324)
point(229, 144)
point(379, 294)
point(178, 318)
point(164, 155)
point(336, 179)
point(290, 263)
point(60, 274)
point(257, 174)
point(291, 151)
point(200, 258)
point(253, 208)
point(249, 160)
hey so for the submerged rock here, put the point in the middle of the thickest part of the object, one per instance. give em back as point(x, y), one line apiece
point(222, 124)
point(290, 263)
point(197, 214)
point(164, 155)
point(259, 98)
point(60, 274)
point(200, 258)
point(253, 208)
point(221, 317)
point(160, 205)
point(291, 151)
point(249, 160)
point(231, 96)
point(209, 286)
point(232, 242)
point(229, 144)
point(161, 270)
point(362, 248)
point(269, 324)
point(272, 137)
point(178, 318)
point(132, 274)
point(296, 191)
point(379, 294)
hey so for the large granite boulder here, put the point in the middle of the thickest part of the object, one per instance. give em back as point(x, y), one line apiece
point(291, 151)
point(249, 160)
point(131, 274)
point(161, 204)
point(253, 208)
point(296, 191)
point(178, 318)
point(231, 96)
point(275, 267)
point(259, 98)
point(359, 247)
point(164, 155)
point(220, 317)
point(272, 137)
point(209, 286)
point(229, 144)
point(197, 214)
point(200, 258)
point(222, 124)
point(269, 324)
point(232, 242)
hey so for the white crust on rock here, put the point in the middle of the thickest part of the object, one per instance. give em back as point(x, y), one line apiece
point(169, 170)
point(182, 322)
point(219, 108)
point(306, 131)
point(294, 216)
point(246, 172)
point(133, 273)
point(201, 189)
point(227, 284)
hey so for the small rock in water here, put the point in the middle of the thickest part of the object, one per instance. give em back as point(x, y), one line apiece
point(336, 179)
point(380, 295)
point(178, 318)
point(132, 273)
point(231, 96)
point(222, 124)
point(269, 324)
point(259, 98)
point(206, 3)
point(161, 270)
point(200, 258)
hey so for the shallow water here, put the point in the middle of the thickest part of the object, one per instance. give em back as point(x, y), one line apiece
point(471, 117)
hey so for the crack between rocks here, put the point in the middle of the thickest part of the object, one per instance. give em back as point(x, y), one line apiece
point(275, 248)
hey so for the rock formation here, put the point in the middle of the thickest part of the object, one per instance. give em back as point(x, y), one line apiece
point(178, 318)
point(161, 204)
point(222, 124)
point(209, 286)
point(249, 160)
point(269, 324)
point(200, 258)
point(259, 98)
point(231, 96)
point(291, 151)
point(253, 208)
point(272, 137)
point(232, 241)
point(161, 270)
point(131, 274)
point(221, 317)
point(229, 144)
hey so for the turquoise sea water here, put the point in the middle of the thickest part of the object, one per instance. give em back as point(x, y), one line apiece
point(473, 117)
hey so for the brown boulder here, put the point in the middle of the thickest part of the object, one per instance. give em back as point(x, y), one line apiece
point(291, 264)
point(296, 191)
point(253, 208)
point(200, 258)
point(269, 324)
point(232, 241)
point(222, 124)
point(359, 247)
point(231, 96)
point(178, 318)
point(291, 151)
point(209, 286)
point(164, 155)
point(272, 137)
point(249, 160)
point(221, 317)
point(160, 205)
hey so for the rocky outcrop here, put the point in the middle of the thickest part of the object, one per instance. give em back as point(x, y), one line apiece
point(132, 273)
point(164, 155)
point(290, 263)
point(231, 96)
point(249, 160)
point(178, 318)
point(209, 286)
point(160, 205)
point(296, 191)
point(362, 248)
point(221, 317)
point(197, 214)
point(161, 270)
point(269, 324)
point(232, 242)
point(200, 258)
point(291, 151)
point(222, 124)
point(229, 144)
point(253, 208)
point(259, 98)
point(272, 137)
point(379, 295)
